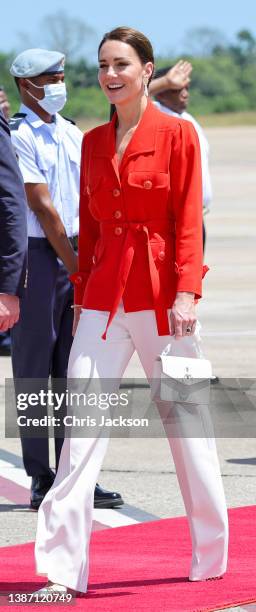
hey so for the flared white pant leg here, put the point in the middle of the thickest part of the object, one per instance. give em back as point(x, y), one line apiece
point(195, 458)
point(65, 515)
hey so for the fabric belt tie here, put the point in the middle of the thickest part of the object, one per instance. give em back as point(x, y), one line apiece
point(130, 242)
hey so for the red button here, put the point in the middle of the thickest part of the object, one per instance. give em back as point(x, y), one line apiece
point(118, 231)
point(117, 214)
point(161, 255)
point(148, 184)
point(78, 280)
point(88, 190)
point(116, 193)
point(94, 259)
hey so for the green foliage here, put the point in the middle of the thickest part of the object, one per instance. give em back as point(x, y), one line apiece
point(85, 98)
point(223, 79)
point(87, 102)
point(217, 86)
point(7, 82)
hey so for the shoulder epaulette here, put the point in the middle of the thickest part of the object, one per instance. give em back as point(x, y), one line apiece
point(16, 120)
point(70, 120)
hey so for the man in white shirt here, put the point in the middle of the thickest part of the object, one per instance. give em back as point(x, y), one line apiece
point(175, 102)
point(48, 148)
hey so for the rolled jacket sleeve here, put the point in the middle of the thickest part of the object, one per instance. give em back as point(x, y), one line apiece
point(186, 188)
point(88, 232)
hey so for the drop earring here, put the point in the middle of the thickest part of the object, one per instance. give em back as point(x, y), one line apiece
point(145, 83)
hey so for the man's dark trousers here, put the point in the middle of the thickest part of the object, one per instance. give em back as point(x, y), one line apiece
point(41, 341)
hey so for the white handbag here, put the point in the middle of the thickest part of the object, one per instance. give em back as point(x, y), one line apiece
point(181, 379)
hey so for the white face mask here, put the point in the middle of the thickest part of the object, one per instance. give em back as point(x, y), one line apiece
point(55, 97)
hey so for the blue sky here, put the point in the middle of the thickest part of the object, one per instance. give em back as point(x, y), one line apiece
point(164, 21)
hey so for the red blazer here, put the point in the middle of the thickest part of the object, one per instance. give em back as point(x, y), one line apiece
point(140, 236)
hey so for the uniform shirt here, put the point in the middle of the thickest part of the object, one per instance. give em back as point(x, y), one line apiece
point(50, 153)
point(204, 147)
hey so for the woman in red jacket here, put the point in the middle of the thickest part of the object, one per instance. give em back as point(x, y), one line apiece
point(140, 271)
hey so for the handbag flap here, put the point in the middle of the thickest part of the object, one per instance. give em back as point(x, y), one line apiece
point(186, 369)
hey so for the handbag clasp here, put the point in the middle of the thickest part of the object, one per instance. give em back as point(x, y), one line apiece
point(187, 374)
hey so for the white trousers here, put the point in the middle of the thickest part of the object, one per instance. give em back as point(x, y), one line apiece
point(65, 516)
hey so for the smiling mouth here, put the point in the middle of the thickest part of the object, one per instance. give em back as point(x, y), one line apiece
point(114, 87)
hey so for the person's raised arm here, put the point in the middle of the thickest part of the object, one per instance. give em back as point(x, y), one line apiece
point(176, 78)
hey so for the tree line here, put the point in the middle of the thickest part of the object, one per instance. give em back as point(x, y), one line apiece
point(223, 78)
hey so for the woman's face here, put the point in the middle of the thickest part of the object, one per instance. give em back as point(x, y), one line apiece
point(121, 72)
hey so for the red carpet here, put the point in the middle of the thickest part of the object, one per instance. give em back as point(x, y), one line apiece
point(144, 567)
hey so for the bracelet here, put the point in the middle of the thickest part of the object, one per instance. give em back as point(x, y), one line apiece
point(76, 306)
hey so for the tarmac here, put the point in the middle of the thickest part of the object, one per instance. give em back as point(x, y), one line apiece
point(142, 469)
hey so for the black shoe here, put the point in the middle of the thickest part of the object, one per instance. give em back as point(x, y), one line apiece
point(40, 485)
point(106, 499)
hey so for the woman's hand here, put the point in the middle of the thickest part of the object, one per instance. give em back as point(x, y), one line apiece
point(77, 312)
point(183, 316)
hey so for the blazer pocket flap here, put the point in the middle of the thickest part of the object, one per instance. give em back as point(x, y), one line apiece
point(187, 369)
point(148, 180)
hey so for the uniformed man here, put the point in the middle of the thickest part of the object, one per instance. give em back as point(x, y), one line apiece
point(13, 230)
point(48, 149)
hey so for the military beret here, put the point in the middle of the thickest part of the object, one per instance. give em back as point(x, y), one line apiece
point(34, 62)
